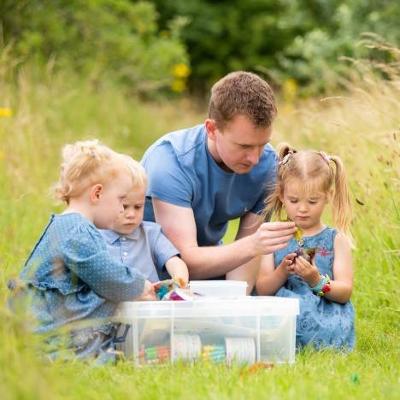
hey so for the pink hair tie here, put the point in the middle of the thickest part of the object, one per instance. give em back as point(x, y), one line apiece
point(285, 159)
point(324, 156)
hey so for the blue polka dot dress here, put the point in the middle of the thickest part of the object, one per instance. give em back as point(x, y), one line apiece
point(74, 283)
point(321, 322)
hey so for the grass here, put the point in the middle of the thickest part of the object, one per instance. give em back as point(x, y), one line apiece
point(363, 127)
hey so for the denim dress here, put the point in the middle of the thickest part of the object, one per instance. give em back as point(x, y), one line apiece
point(74, 285)
point(321, 322)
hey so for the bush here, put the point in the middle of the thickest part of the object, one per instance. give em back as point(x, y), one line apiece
point(299, 40)
point(102, 38)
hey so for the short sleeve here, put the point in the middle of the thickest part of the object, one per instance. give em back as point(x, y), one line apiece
point(161, 247)
point(85, 253)
point(270, 180)
point(166, 179)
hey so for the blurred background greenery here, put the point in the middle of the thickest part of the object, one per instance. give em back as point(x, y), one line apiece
point(164, 46)
point(126, 72)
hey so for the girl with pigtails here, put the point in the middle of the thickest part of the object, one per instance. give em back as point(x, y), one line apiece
point(316, 266)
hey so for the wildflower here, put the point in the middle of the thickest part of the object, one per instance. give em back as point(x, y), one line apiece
point(290, 89)
point(5, 112)
point(181, 71)
point(178, 85)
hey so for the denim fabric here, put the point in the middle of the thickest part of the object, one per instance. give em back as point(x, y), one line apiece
point(321, 322)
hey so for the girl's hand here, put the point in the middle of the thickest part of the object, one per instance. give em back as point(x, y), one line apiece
point(148, 293)
point(288, 263)
point(309, 272)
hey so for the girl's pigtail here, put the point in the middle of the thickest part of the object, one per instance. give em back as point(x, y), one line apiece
point(285, 151)
point(273, 203)
point(341, 206)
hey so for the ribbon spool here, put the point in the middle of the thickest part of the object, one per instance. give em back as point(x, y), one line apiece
point(241, 350)
point(186, 347)
point(154, 355)
point(214, 353)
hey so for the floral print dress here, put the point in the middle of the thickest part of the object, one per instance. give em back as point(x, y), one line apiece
point(321, 322)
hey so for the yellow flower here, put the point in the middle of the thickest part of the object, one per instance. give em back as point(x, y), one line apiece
point(290, 89)
point(178, 85)
point(180, 71)
point(5, 112)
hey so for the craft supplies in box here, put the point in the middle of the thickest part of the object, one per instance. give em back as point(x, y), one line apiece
point(241, 330)
point(219, 288)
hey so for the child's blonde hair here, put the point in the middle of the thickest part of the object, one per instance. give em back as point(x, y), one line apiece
point(316, 170)
point(86, 163)
point(139, 177)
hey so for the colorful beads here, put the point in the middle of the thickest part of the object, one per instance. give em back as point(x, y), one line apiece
point(323, 286)
point(189, 348)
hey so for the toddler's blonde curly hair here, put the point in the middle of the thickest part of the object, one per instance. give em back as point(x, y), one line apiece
point(86, 163)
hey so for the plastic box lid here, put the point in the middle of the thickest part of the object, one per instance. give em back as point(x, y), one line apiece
point(208, 307)
point(219, 288)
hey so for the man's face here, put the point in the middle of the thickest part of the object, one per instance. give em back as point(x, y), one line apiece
point(132, 215)
point(239, 145)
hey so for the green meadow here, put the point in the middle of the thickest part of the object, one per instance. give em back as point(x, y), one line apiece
point(43, 111)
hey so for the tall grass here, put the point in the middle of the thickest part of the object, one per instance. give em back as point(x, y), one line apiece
point(362, 126)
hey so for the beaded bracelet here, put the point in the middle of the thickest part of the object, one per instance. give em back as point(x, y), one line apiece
point(323, 286)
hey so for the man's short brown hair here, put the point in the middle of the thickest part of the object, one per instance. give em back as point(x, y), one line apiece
point(242, 93)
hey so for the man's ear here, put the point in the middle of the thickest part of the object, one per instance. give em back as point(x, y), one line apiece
point(211, 128)
point(96, 192)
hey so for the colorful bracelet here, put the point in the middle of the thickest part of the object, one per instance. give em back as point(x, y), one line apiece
point(323, 286)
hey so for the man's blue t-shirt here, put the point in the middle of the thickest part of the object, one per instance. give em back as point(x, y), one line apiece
point(181, 171)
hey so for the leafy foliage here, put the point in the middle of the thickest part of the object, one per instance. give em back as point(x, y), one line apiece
point(301, 40)
point(101, 38)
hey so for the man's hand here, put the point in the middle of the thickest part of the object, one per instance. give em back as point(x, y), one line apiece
point(272, 236)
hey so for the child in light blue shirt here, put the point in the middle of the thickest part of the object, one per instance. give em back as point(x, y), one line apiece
point(140, 245)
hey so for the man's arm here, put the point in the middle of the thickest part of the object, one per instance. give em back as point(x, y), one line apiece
point(179, 226)
point(249, 224)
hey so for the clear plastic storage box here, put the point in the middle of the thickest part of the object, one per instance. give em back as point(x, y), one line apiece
point(242, 330)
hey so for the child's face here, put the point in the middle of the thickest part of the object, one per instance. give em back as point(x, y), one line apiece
point(132, 215)
point(303, 207)
point(110, 203)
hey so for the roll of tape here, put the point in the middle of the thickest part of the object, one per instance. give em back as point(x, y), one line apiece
point(241, 350)
point(186, 347)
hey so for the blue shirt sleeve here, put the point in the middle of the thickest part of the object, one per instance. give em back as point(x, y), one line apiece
point(161, 247)
point(86, 255)
point(166, 180)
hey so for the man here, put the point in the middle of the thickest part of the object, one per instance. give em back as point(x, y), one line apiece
point(202, 177)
